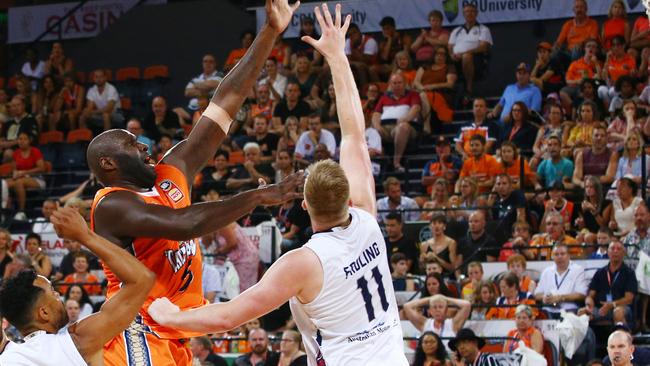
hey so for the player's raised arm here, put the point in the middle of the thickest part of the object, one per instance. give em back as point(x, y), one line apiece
point(193, 153)
point(91, 333)
point(355, 159)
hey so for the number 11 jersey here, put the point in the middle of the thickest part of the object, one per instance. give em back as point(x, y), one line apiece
point(354, 319)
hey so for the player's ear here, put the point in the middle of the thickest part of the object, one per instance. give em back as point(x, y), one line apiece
point(106, 163)
point(303, 204)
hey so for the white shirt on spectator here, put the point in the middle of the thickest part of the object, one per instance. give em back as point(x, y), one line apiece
point(465, 40)
point(373, 139)
point(572, 281)
point(101, 99)
point(211, 281)
point(369, 48)
point(36, 73)
point(305, 146)
point(406, 203)
point(216, 75)
point(279, 84)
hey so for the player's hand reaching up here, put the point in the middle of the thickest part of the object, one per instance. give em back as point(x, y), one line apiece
point(288, 189)
point(69, 224)
point(332, 39)
point(162, 310)
point(279, 13)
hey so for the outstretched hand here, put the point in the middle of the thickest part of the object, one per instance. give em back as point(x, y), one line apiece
point(332, 39)
point(279, 13)
point(161, 309)
point(69, 224)
point(286, 190)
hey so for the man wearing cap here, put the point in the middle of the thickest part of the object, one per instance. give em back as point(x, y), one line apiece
point(521, 91)
point(391, 43)
point(469, 45)
point(443, 165)
point(467, 347)
point(547, 73)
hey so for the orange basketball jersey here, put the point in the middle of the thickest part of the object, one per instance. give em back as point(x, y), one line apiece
point(177, 264)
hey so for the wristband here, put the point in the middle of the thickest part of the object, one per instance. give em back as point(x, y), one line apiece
point(218, 115)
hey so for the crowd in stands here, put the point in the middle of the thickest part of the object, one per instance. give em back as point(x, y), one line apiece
point(552, 170)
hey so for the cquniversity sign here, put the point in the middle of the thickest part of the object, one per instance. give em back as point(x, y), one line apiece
point(410, 14)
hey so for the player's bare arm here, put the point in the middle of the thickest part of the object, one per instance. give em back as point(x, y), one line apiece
point(355, 159)
point(193, 153)
point(91, 333)
point(140, 219)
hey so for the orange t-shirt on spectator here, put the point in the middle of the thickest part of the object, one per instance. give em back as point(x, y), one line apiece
point(642, 24)
point(482, 169)
point(619, 67)
point(234, 56)
point(514, 172)
point(90, 289)
point(575, 35)
point(612, 28)
point(579, 69)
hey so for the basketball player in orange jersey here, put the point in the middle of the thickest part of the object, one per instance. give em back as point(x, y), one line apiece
point(146, 207)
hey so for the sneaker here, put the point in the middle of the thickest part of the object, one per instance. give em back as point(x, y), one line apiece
point(20, 216)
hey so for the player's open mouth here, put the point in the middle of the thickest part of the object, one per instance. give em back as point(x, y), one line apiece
point(149, 161)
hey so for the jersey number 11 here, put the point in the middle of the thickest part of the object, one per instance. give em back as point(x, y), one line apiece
point(362, 284)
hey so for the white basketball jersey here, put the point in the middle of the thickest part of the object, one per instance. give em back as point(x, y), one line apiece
point(354, 319)
point(43, 349)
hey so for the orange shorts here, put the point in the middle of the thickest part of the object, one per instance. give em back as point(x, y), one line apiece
point(134, 348)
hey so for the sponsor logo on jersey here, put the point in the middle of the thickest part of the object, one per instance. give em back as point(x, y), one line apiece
point(166, 185)
point(175, 194)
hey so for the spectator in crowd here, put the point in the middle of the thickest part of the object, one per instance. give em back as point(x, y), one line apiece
point(362, 51)
point(20, 263)
point(290, 353)
point(588, 93)
point(402, 64)
point(625, 122)
point(481, 166)
point(575, 32)
point(235, 55)
point(78, 293)
point(162, 121)
point(483, 298)
point(521, 236)
point(321, 152)
point(585, 67)
point(290, 134)
point(558, 204)
point(525, 331)
point(276, 82)
point(640, 37)
point(429, 40)
point(48, 104)
point(21, 122)
point(370, 100)
point(309, 139)
point(581, 134)
point(395, 201)
point(638, 240)
point(67, 263)
point(303, 75)
point(597, 160)
point(475, 276)
point(396, 242)
point(6, 255)
point(519, 130)
point(435, 83)
point(603, 238)
point(511, 294)
point(102, 103)
point(291, 105)
point(522, 91)
point(135, 127)
point(33, 68)
point(247, 176)
point(434, 283)
point(469, 47)
point(438, 320)
point(284, 165)
point(73, 310)
point(517, 265)
point(202, 350)
point(616, 25)
point(399, 273)
point(260, 354)
point(478, 244)
point(508, 206)
point(466, 346)
point(620, 212)
point(480, 125)
point(211, 282)
point(396, 117)
point(468, 198)
point(4, 105)
point(391, 43)
point(28, 164)
point(555, 168)
point(282, 52)
point(554, 234)
point(73, 95)
point(267, 141)
point(443, 165)
point(547, 73)
point(58, 64)
point(263, 106)
point(440, 247)
point(554, 125)
point(629, 163)
point(612, 289)
point(298, 47)
point(81, 276)
point(206, 82)
point(617, 64)
point(563, 285)
point(511, 165)
point(439, 200)
point(430, 351)
point(297, 226)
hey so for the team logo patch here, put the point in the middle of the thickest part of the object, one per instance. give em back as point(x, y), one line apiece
point(175, 194)
point(166, 185)
point(172, 190)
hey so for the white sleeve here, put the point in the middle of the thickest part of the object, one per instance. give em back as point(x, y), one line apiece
point(281, 85)
point(40, 70)
point(211, 279)
point(348, 47)
point(485, 34)
point(543, 284)
point(92, 94)
point(113, 94)
point(581, 285)
point(373, 139)
point(329, 141)
point(371, 47)
point(453, 37)
point(25, 70)
point(300, 145)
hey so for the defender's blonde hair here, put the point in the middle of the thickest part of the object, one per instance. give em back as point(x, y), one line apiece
point(327, 191)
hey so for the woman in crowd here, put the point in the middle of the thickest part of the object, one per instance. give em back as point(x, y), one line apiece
point(428, 40)
point(24, 89)
point(440, 247)
point(629, 164)
point(73, 96)
point(469, 198)
point(434, 284)
point(519, 130)
point(511, 164)
point(283, 165)
point(434, 83)
point(290, 135)
point(524, 331)
point(77, 292)
point(580, 135)
point(81, 275)
point(554, 126)
point(402, 64)
point(6, 256)
point(48, 104)
point(615, 25)
point(40, 261)
point(218, 174)
point(58, 64)
point(511, 294)
point(620, 213)
point(484, 296)
point(625, 123)
point(592, 207)
point(329, 114)
point(430, 351)
point(28, 164)
point(475, 275)
point(439, 199)
point(290, 353)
